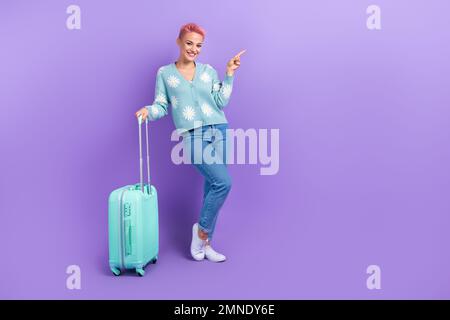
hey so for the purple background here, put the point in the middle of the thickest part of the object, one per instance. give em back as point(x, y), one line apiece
point(364, 125)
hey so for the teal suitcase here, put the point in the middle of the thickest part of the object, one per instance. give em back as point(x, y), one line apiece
point(133, 222)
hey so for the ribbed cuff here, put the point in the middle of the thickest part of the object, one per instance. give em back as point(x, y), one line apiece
point(229, 79)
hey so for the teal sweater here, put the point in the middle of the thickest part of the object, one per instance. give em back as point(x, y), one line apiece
point(194, 103)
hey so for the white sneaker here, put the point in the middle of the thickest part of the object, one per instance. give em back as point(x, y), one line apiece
point(213, 255)
point(197, 244)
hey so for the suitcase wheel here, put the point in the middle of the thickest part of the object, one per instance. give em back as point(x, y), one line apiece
point(154, 260)
point(140, 272)
point(115, 271)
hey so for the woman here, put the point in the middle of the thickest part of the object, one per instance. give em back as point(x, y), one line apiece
point(197, 97)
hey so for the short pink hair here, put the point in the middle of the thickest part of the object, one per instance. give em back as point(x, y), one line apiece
point(191, 27)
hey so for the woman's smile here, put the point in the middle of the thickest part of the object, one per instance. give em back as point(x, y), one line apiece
point(191, 54)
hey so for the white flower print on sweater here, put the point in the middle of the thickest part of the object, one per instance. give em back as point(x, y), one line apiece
point(174, 101)
point(205, 77)
point(161, 98)
point(173, 81)
point(226, 91)
point(188, 113)
point(154, 110)
point(206, 109)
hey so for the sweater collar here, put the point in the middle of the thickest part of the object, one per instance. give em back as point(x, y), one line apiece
point(197, 66)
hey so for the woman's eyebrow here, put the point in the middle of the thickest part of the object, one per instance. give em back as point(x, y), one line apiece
point(193, 42)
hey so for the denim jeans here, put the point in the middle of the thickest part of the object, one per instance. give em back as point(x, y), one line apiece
point(207, 151)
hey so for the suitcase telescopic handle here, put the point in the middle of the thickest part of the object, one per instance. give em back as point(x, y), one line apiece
point(140, 155)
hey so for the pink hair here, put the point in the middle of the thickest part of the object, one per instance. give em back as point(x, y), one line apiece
point(191, 27)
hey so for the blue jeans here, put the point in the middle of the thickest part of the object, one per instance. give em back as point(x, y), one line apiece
point(208, 153)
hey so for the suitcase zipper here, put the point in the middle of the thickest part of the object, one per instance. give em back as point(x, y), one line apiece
point(121, 226)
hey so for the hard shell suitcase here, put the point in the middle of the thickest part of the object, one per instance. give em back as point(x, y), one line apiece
point(133, 222)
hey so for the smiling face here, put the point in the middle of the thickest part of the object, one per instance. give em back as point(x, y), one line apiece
point(190, 46)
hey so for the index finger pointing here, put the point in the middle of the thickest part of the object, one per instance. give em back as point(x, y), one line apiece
point(240, 53)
